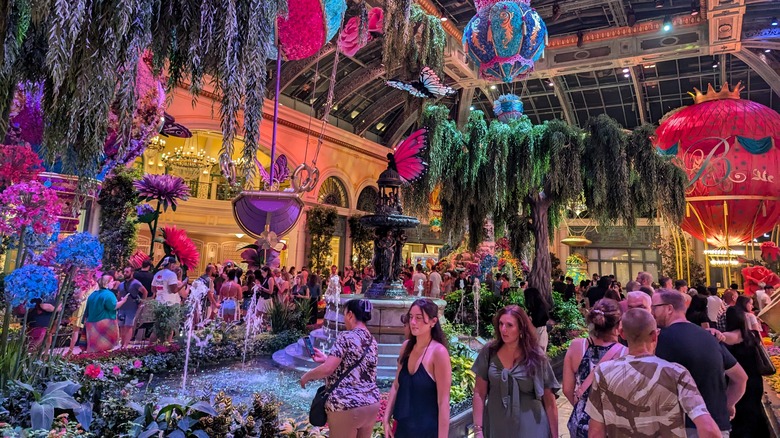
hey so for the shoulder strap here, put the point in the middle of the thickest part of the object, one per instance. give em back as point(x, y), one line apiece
point(349, 370)
point(611, 353)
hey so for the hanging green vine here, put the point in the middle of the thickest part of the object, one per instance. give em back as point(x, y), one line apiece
point(118, 231)
point(396, 32)
point(525, 176)
point(86, 53)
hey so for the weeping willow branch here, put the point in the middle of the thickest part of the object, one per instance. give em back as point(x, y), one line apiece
point(86, 54)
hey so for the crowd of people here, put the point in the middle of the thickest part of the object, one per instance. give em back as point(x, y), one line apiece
point(660, 359)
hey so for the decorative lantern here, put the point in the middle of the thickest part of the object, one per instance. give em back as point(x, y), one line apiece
point(729, 149)
point(508, 107)
point(505, 38)
point(309, 25)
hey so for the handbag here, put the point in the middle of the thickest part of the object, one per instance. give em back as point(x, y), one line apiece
point(317, 415)
point(763, 361)
point(613, 351)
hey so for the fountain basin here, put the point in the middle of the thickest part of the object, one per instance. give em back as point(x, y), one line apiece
point(385, 325)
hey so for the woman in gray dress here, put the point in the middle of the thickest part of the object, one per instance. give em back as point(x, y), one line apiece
point(515, 386)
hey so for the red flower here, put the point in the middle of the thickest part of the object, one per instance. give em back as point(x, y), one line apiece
point(769, 251)
point(349, 38)
point(755, 275)
point(93, 371)
point(376, 20)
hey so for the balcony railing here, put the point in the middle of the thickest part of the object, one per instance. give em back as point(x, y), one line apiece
point(212, 190)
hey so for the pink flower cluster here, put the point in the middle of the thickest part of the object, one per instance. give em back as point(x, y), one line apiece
point(350, 40)
point(29, 204)
point(18, 163)
point(93, 371)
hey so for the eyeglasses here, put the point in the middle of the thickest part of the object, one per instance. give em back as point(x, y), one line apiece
point(662, 304)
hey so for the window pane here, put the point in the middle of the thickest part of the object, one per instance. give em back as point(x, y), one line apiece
point(635, 269)
point(606, 268)
point(614, 254)
point(636, 254)
point(622, 273)
point(651, 255)
point(652, 269)
point(593, 254)
point(593, 268)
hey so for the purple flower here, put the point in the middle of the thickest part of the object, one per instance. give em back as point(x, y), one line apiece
point(164, 188)
point(143, 209)
point(137, 364)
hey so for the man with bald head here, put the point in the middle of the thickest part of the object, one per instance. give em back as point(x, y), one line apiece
point(641, 395)
point(645, 279)
point(708, 361)
point(636, 300)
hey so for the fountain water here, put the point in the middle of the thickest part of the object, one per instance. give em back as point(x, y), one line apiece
point(253, 322)
point(198, 291)
point(332, 302)
point(475, 290)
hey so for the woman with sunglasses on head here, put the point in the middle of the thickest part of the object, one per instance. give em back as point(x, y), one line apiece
point(419, 399)
point(349, 371)
point(515, 389)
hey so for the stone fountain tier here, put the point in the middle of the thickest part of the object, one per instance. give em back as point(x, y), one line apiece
point(385, 325)
point(389, 221)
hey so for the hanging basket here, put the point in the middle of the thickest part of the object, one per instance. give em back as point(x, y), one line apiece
point(281, 210)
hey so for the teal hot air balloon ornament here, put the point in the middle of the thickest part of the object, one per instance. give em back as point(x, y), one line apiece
point(504, 39)
point(508, 107)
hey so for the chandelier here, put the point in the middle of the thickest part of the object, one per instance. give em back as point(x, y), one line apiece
point(187, 163)
point(156, 144)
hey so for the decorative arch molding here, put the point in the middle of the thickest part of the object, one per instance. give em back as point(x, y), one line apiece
point(333, 191)
point(366, 200)
point(341, 176)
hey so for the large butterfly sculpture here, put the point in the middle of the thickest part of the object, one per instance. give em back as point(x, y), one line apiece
point(281, 172)
point(429, 85)
point(173, 129)
point(406, 159)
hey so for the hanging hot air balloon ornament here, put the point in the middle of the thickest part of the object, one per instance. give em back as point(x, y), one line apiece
point(308, 26)
point(730, 149)
point(504, 39)
point(508, 107)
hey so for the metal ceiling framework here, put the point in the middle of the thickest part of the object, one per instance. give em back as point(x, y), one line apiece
point(632, 73)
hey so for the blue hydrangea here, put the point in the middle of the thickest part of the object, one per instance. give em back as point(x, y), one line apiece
point(29, 282)
point(487, 264)
point(82, 250)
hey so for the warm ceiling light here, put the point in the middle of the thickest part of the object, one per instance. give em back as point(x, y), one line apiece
point(443, 19)
point(239, 235)
point(659, 3)
point(626, 75)
point(767, 50)
point(715, 65)
point(493, 87)
point(471, 108)
point(650, 66)
point(551, 83)
point(625, 70)
point(774, 21)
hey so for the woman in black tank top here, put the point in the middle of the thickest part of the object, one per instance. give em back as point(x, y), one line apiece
point(419, 399)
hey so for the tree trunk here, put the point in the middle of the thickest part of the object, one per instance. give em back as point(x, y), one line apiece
point(541, 271)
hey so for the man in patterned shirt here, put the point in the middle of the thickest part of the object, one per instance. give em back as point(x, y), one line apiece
point(641, 395)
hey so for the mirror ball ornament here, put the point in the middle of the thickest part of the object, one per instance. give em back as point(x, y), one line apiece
point(309, 25)
point(508, 107)
point(504, 39)
point(729, 149)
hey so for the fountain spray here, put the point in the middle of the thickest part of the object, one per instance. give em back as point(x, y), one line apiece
point(197, 292)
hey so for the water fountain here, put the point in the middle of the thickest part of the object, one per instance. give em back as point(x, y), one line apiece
point(197, 292)
point(388, 296)
point(332, 302)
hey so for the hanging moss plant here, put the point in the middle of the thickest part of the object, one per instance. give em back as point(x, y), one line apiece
point(524, 176)
point(86, 53)
point(118, 232)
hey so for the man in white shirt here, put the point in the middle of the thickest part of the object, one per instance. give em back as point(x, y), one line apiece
point(167, 287)
point(435, 279)
point(419, 279)
point(763, 296)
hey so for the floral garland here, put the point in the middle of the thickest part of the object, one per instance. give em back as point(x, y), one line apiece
point(30, 282)
point(81, 250)
point(28, 204)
